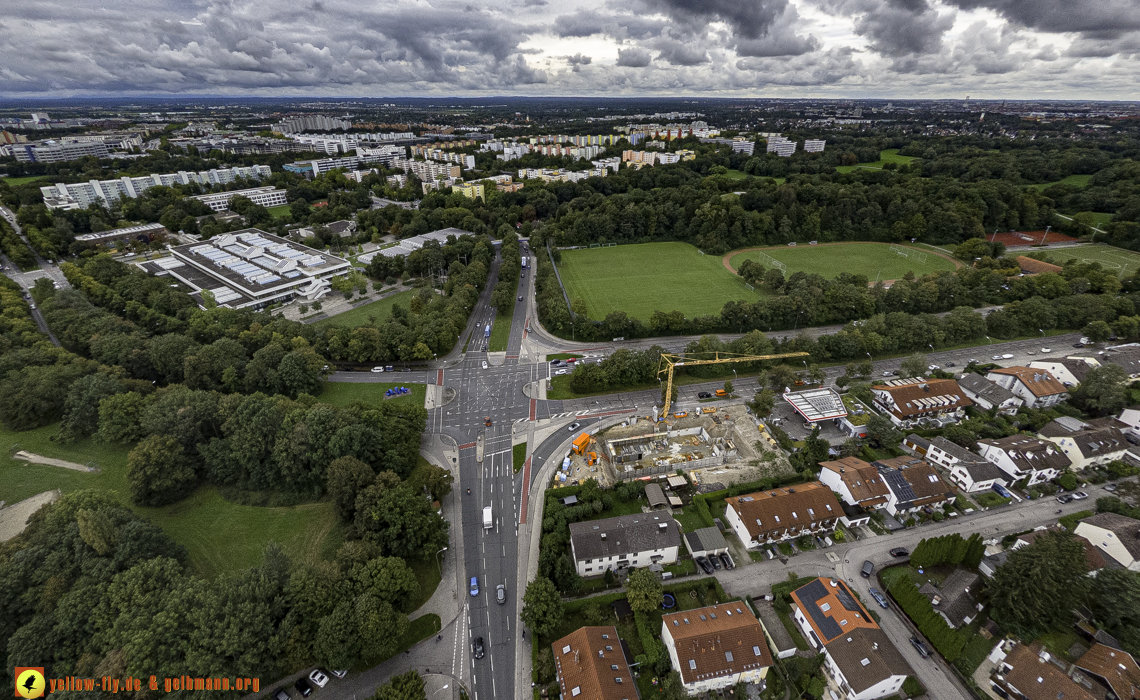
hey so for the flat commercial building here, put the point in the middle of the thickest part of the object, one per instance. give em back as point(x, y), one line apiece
point(143, 232)
point(249, 269)
point(80, 195)
point(267, 196)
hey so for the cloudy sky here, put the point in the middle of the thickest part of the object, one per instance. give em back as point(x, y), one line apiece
point(765, 48)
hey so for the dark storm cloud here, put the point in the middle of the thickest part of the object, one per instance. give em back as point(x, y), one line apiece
point(1106, 16)
point(749, 19)
point(579, 24)
point(633, 57)
point(896, 28)
point(678, 53)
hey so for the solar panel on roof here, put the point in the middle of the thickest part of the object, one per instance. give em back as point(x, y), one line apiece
point(292, 273)
point(169, 263)
point(293, 254)
point(267, 279)
point(224, 294)
point(265, 261)
point(313, 261)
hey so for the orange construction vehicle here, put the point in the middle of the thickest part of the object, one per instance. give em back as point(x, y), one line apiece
point(580, 443)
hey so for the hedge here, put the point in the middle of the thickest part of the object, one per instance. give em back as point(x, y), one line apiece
point(945, 638)
point(949, 549)
point(702, 500)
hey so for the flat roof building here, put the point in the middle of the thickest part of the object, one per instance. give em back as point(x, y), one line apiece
point(80, 195)
point(816, 405)
point(268, 196)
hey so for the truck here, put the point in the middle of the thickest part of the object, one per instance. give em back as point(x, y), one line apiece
point(488, 522)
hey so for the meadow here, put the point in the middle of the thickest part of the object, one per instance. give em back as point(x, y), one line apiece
point(647, 277)
point(875, 260)
point(361, 315)
point(890, 155)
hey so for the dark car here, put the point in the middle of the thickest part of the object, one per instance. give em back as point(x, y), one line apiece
point(879, 598)
point(868, 569)
point(477, 647)
point(715, 561)
point(1064, 499)
point(704, 395)
point(920, 647)
point(1078, 345)
point(281, 694)
point(704, 564)
point(303, 687)
point(727, 561)
point(900, 552)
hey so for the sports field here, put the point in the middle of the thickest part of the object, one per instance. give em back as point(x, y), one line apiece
point(890, 155)
point(647, 277)
point(1125, 262)
point(829, 259)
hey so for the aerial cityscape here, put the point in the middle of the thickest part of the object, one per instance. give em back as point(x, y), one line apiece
point(779, 350)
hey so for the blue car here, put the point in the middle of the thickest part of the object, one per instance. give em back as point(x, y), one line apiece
point(474, 585)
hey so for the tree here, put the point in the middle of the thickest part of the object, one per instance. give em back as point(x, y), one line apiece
point(727, 386)
point(913, 366)
point(644, 591)
point(338, 642)
point(542, 606)
point(1098, 331)
point(883, 432)
point(1116, 602)
point(380, 626)
point(81, 409)
point(1103, 391)
point(1038, 585)
point(763, 403)
point(344, 479)
point(158, 471)
point(406, 686)
point(400, 520)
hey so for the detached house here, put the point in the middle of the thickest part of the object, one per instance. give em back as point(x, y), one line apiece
point(986, 394)
point(1037, 387)
point(767, 517)
point(1070, 371)
point(909, 401)
point(1032, 673)
point(913, 485)
point(1087, 443)
point(592, 666)
point(858, 657)
point(716, 647)
point(1025, 457)
point(1118, 536)
point(628, 540)
point(968, 471)
point(857, 482)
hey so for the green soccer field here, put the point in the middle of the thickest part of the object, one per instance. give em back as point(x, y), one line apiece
point(875, 260)
point(1124, 262)
point(647, 277)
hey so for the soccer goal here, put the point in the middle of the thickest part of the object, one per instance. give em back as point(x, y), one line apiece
point(768, 261)
point(908, 253)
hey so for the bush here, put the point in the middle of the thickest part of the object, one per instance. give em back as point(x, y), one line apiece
point(945, 639)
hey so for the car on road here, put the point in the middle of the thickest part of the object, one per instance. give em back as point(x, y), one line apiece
point(32, 307)
point(484, 364)
point(340, 674)
point(388, 368)
point(920, 647)
point(971, 361)
point(1079, 495)
point(1045, 350)
point(950, 364)
point(281, 694)
point(557, 363)
point(704, 395)
point(474, 585)
point(1086, 341)
point(520, 297)
point(318, 678)
point(1110, 487)
point(933, 367)
point(477, 648)
point(377, 370)
point(727, 561)
point(1064, 499)
point(574, 426)
point(900, 552)
point(887, 373)
point(1078, 345)
point(996, 357)
point(303, 687)
point(704, 564)
point(562, 371)
point(868, 569)
point(500, 594)
point(879, 598)
point(1007, 356)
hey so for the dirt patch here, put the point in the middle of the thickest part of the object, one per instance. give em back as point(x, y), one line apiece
point(14, 518)
point(51, 461)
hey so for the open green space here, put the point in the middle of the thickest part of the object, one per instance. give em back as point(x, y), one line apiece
point(1071, 181)
point(875, 260)
point(890, 155)
point(14, 181)
point(643, 278)
point(419, 629)
point(362, 315)
point(1124, 261)
point(734, 174)
point(501, 330)
point(280, 211)
point(562, 356)
point(518, 453)
point(347, 393)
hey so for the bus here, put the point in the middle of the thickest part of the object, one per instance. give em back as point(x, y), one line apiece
point(487, 332)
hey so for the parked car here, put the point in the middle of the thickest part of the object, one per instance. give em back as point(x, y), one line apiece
point(1064, 499)
point(500, 594)
point(484, 364)
point(950, 364)
point(727, 561)
point(1078, 345)
point(920, 647)
point(574, 426)
point(377, 370)
point(879, 597)
point(715, 561)
point(1007, 356)
point(562, 371)
point(474, 585)
point(704, 395)
point(520, 297)
point(303, 687)
point(340, 674)
point(996, 357)
point(900, 552)
point(887, 374)
point(318, 678)
point(868, 569)
point(933, 367)
point(477, 647)
point(704, 564)
point(1110, 487)
point(281, 694)
point(1045, 350)
point(1079, 495)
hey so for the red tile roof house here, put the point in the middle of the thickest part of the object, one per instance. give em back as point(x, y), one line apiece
point(907, 402)
point(767, 517)
point(716, 647)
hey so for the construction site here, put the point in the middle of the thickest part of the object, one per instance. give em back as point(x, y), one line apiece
point(703, 441)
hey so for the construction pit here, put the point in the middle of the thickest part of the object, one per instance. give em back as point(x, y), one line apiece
point(720, 439)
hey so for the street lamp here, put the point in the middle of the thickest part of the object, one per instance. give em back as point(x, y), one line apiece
point(437, 564)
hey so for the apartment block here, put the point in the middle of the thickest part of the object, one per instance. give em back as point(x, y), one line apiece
point(267, 196)
point(83, 194)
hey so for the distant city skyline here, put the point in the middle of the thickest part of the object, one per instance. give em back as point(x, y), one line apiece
point(988, 49)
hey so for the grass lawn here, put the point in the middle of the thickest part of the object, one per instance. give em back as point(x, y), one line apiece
point(561, 356)
point(518, 452)
point(280, 211)
point(1125, 261)
point(640, 279)
point(890, 155)
point(360, 315)
point(225, 537)
point(15, 181)
point(1072, 181)
point(345, 393)
point(875, 260)
point(501, 330)
point(733, 174)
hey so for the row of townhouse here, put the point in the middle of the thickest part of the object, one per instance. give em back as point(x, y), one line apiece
point(900, 486)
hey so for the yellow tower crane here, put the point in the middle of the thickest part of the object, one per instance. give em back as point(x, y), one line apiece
point(719, 358)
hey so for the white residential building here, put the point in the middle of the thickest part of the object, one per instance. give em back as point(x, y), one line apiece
point(968, 471)
point(781, 146)
point(1037, 387)
point(716, 647)
point(1086, 443)
point(814, 145)
point(1116, 535)
point(267, 196)
point(986, 394)
point(626, 541)
point(83, 194)
point(1025, 457)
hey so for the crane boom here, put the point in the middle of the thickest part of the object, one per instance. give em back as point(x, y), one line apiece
point(672, 360)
